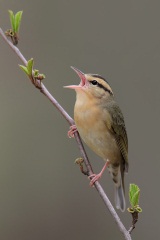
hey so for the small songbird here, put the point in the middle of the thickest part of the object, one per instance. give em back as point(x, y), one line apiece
point(100, 123)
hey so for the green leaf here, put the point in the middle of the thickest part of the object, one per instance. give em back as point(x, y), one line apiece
point(135, 198)
point(24, 69)
point(18, 17)
point(12, 20)
point(30, 66)
point(134, 192)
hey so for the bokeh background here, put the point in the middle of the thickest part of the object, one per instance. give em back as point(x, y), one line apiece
point(43, 195)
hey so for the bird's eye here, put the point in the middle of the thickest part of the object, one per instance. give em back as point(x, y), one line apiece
point(94, 82)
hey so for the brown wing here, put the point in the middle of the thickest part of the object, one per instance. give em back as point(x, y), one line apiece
point(119, 129)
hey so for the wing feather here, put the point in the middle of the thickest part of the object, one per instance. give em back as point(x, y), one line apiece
point(119, 130)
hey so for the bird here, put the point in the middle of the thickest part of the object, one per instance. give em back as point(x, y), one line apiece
point(100, 123)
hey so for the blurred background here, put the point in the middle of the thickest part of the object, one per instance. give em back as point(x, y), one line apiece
point(43, 195)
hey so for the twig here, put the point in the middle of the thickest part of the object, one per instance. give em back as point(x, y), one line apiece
point(98, 187)
point(134, 221)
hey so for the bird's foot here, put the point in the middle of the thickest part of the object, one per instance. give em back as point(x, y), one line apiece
point(72, 130)
point(96, 177)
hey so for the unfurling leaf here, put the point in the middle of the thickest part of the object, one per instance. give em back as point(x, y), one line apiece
point(134, 192)
point(18, 17)
point(12, 20)
point(30, 66)
point(15, 20)
point(24, 69)
point(15, 24)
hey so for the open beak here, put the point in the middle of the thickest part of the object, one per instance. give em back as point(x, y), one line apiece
point(82, 82)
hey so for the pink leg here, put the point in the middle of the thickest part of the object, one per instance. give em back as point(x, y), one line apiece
point(96, 177)
point(72, 130)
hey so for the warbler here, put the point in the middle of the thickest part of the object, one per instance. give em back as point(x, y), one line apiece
point(100, 123)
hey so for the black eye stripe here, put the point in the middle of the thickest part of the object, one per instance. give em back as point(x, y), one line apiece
point(105, 89)
point(94, 82)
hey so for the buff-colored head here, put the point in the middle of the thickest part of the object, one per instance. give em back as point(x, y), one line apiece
point(92, 85)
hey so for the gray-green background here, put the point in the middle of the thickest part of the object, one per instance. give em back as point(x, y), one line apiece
point(43, 195)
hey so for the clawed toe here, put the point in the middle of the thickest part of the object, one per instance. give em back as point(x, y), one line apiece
point(95, 177)
point(72, 130)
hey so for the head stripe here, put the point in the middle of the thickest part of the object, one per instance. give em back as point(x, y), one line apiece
point(99, 76)
point(103, 87)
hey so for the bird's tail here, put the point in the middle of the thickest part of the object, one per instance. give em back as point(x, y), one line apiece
point(117, 174)
point(119, 197)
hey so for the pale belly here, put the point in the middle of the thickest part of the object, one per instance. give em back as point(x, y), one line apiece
point(97, 136)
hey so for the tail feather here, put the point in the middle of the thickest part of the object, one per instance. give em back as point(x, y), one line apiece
point(119, 198)
point(117, 174)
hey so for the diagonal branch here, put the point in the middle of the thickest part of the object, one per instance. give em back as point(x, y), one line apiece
point(98, 187)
